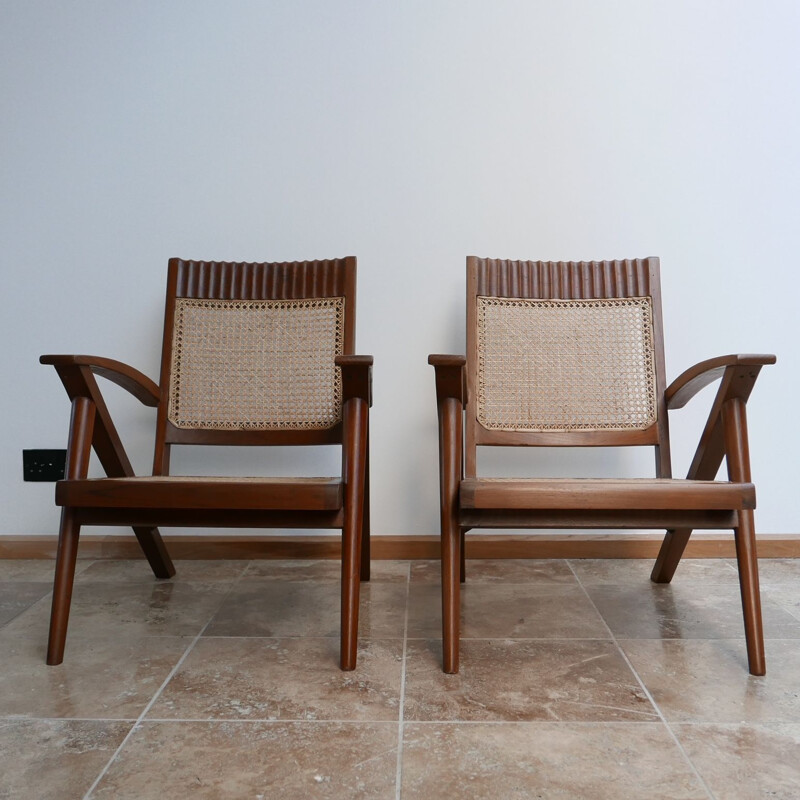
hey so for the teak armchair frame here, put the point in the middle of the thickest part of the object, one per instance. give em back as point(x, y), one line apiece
point(211, 292)
point(680, 506)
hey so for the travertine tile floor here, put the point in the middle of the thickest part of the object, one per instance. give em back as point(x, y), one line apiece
point(579, 679)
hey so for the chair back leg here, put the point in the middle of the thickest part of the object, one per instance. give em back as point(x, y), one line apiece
point(155, 551)
point(670, 554)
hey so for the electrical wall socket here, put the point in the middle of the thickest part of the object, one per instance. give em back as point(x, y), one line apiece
point(43, 465)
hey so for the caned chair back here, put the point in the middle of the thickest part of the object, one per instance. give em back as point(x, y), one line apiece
point(565, 354)
point(248, 353)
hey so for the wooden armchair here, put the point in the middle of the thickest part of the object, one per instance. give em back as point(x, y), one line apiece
point(572, 354)
point(253, 354)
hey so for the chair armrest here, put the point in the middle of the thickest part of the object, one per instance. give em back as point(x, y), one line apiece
point(738, 374)
point(130, 379)
point(77, 375)
point(451, 377)
point(690, 382)
point(356, 377)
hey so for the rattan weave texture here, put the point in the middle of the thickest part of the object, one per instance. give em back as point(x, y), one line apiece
point(256, 365)
point(563, 365)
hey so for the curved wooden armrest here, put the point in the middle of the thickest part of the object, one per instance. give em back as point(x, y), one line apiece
point(690, 382)
point(451, 377)
point(356, 377)
point(130, 379)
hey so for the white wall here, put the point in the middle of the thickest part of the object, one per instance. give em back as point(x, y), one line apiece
point(409, 134)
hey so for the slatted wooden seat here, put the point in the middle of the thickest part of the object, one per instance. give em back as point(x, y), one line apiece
point(571, 354)
point(253, 354)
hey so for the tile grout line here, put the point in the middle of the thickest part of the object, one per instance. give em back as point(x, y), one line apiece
point(141, 716)
point(161, 688)
point(646, 691)
point(351, 721)
point(398, 781)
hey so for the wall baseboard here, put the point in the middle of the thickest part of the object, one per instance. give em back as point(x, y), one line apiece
point(583, 545)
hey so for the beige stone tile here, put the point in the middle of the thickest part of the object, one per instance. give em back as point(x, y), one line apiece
point(162, 608)
point(779, 570)
point(500, 570)
point(523, 681)
point(684, 612)
point(102, 677)
point(557, 761)
point(329, 569)
point(592, 571)
point(139, 570)
point(493, 610)
point(708, 681)
point(294, 679)
point(33, 569)
point(745, 762)
point(255, 760)
point(325, 570)
point(55, 759)
point(784, 595)
point(389, 571)
point(17, 596)
point(306, 608)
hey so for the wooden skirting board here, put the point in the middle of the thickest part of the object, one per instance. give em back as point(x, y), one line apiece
point(631, 545)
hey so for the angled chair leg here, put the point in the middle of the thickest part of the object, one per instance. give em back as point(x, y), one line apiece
point(355, 424)
point(62, 586)
point(155, 550)
point(670, 555)
point(463, 558)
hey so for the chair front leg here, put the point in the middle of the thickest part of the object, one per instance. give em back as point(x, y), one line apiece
point(734, 420)
point(355, 451)
point(450, 431)
point(78, 452)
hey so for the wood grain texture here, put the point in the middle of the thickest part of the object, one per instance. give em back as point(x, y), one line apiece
point(451, 378)
point(286, 280)
point(311, 494)
point(605, 494)
point(130, 379)
point(697, 377)
point(563, 279)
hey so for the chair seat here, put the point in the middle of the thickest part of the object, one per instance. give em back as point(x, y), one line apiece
point(179, 492)
point(605, 494)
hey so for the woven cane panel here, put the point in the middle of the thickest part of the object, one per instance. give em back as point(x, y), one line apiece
point(564, 365)
point(257, 365)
